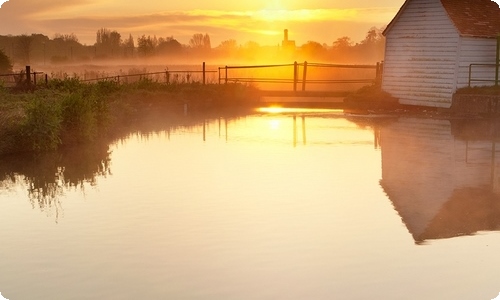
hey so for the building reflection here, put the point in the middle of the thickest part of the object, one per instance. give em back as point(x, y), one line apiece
point(442, 176)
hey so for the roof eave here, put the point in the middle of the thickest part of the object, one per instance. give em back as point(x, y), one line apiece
point(400, 11)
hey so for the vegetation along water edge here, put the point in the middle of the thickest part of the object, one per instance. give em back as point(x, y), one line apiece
point(68, 112)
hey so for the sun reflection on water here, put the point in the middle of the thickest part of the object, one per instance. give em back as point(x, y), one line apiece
point(296, 110)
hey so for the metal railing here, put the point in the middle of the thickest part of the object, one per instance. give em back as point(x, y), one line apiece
point(495, 80)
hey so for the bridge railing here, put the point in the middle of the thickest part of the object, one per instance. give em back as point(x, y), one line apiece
point(298, 76)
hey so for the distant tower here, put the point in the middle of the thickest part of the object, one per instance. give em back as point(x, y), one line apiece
point(287, 44)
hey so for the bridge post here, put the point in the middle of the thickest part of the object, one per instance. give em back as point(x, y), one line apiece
point(304, 75)
point(28, 75)
point(295, 75)
point(226, 75)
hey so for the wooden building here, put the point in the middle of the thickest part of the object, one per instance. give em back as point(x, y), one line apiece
point(430, 45)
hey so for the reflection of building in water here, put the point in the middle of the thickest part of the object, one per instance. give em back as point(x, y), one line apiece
point(441, 185)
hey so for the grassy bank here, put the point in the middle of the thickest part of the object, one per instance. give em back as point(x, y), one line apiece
point(68, 112)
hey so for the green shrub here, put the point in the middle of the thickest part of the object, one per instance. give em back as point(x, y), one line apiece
point(79, 118)
point(42, 125)
point(66, 84)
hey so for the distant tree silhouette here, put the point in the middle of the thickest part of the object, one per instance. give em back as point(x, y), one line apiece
point(5, 63)
point(200, 41)
point(169, 45)
point(228, 46)
point(128, 46)
point(66, 37)
point(108, 41)
point(342, 43)
point(313, 50)
point(24, 48)
point(146, 45)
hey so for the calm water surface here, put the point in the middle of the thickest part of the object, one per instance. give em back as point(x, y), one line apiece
point(295, 205)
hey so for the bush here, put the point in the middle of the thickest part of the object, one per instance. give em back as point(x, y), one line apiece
point(42, 124)
point(5, 63)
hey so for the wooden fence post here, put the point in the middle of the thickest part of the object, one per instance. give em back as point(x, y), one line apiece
point(203, 73)
point(226, 75)
point(295, 75)
point(46, 80)
point(28, 75)
point(304, 75)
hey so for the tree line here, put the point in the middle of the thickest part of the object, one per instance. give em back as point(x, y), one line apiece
point(111, 45)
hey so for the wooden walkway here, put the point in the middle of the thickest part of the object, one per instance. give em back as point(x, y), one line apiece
point(304, 97)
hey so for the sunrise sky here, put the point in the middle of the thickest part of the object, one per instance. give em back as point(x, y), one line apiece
point(261, 21)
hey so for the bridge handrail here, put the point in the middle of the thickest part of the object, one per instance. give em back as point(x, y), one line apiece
point(303, 80)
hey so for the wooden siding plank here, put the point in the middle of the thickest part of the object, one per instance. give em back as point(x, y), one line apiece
point(420, 57)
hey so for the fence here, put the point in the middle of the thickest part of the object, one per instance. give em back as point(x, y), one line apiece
point(302, 75)
point(24, 78)
point(167, 76)
point(280, 77)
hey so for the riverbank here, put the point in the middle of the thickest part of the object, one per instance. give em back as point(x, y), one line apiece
point(68, 112)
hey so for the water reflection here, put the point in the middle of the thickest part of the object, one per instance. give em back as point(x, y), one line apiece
point(47, 175)
point(442, 175)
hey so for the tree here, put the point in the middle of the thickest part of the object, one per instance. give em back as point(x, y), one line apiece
point(109, 41)
point(23, 48)
point(228, 46)
point(313, 49)
point(342, 43)
point(169, 45)
point(5, 63)
point(200, 41)
point(66, 37)
point(146, 45)
point(373, 36)
point(128, 46)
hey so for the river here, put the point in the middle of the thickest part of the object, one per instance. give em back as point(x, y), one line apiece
point(277, 204)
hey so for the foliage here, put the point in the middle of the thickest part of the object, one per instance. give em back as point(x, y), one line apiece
point(42, 124)
point(79, 118)
point(5, 63)
point(146, 45)
point(108, 41)
point(200, 41)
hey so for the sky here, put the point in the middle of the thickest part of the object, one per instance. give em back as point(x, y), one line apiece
point(261, 21)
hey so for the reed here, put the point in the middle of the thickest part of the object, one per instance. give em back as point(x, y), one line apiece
point(69, 112)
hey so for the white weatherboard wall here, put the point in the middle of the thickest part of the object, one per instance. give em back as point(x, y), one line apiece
point(422, 50)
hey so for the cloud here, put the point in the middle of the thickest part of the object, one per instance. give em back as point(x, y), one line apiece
point(85, 17)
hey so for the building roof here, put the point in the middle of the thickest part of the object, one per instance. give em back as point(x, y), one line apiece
point(478, 18)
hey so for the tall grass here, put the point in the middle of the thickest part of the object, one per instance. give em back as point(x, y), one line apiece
point(70, 112)
point(42, 125)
